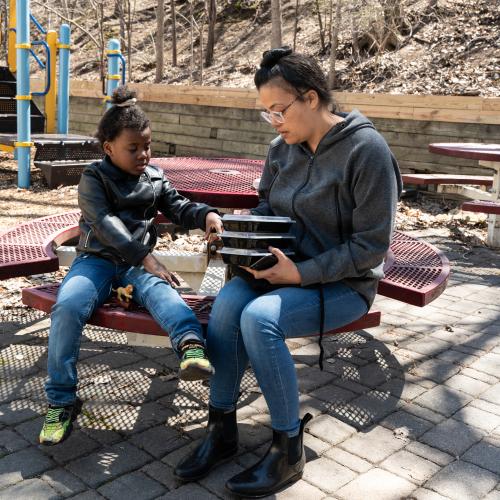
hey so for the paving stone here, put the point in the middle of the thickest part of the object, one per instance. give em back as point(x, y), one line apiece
point(329, 429)
point(173, 458)
point(310, 378)
point(376, 484)
point(11, 441)
point(466, 384)
point(374, 446)
point(492, 395)
point(216, 483)
point(162, 473)
point(108, 463)
point(428, 345)
point(63, 482)
point(19, 411)
point(32, 489)
point(327, 475)
point(478, 418)
point(485, 454)
point(444, 437)
point(430, 453)
point(189, 491)
point(492, 495)
point(402, 389)
point(132, 485)
point(486, 406)
point(484, 377)
point(333, 394)
point(424, 494)
point(19, 360)
point(414, 426)
point(443, 400)
point(311, 405)
point(419, 379)
point(159, 440)
point(489, 363)
point(421, 412)
point(436, 370)
point(77, 444)
point(462, 481)
point(314, 447)
point(300, 489)
point(88, 495)
point(348, 459)
point(410, 466)
point(23, 464)
point(372, 407)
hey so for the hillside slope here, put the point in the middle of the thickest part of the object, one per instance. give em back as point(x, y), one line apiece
point(452, 49)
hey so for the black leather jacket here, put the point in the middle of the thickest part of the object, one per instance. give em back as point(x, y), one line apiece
point(118, 211)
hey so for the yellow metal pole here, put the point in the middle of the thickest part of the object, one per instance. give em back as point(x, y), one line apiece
point(11, 51)
point(50, 97)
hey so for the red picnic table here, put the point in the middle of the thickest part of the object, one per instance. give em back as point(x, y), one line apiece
point(221, 182)
point(488, 156)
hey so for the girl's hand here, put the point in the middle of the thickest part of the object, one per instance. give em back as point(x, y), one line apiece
point(213, 225)
point(153, 266)
point(285, 272)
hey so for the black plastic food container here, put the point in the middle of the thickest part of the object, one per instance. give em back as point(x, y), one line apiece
point(257, 223)
point(236, 239)
point(245, 257)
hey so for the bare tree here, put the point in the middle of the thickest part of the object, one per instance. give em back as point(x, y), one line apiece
point(275, 23)
point(355, 54)
point(130, 13)
point(160, 18)
point(211, 6)
point(4, 27)
point(296, 23)
point(120, 14)
point(321, 29)
point(332, 77)
point(174, 33)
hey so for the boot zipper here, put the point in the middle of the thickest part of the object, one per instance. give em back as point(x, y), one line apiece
point(146, 224)
point(86, 244)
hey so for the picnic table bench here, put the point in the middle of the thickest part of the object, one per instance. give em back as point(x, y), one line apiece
point(416, 273)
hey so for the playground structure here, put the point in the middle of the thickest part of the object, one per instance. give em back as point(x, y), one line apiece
point(61, 156)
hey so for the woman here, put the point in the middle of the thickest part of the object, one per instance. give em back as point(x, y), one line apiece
point(335, 175)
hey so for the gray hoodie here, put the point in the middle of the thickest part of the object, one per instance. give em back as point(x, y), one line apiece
point(344, 201)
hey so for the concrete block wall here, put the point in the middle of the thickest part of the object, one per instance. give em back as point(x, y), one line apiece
point(213, 131)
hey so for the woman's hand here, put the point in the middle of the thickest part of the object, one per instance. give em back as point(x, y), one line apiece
point(213, 225)
point(285, 272)
point(153, 266)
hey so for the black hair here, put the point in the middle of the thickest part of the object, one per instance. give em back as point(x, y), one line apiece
point(118, 118)
point(295, 71)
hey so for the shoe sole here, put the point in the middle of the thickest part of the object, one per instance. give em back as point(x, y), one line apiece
point(222, 461)
point(288, 483)
point(77, 408)
point(194, 372)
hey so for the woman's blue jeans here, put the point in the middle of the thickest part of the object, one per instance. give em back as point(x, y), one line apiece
point(86, 286)
point(246, 325)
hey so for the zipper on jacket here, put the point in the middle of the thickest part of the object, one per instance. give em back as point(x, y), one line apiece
point(86, 244)
point(146, 225)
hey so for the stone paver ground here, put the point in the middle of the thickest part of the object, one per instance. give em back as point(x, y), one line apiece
point(410, 409)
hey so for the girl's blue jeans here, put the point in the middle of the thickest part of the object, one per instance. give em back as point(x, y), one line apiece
point(248, 326)
point(86, 286)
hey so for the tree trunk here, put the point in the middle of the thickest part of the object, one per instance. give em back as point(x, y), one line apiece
point(355, 54)
point(212, 16)
point(296, 23)
point(321, 31)
point(275, 23)
point(332, 77)
point(129, 36)
point(174, 34)
point(191, 34)
point(160, 19)
point(120, 14)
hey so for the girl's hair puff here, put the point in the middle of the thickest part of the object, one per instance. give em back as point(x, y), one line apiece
point(118, 118)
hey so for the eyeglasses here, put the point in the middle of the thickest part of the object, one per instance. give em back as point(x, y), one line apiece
point(278, 116)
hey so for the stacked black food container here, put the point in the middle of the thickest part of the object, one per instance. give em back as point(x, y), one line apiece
point(246, 239)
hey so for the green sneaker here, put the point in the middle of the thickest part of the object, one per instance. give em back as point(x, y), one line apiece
point(194, 362)
point(58, 423)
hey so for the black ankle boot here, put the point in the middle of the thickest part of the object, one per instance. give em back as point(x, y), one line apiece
point(219, 443)
point(283, 464)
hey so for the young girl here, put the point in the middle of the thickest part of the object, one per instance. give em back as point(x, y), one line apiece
point(119, 198)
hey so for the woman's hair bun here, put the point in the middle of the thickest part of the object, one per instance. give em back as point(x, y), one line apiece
point(122, 94)
point(272, 57)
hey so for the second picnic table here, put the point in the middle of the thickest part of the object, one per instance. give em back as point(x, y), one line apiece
point(488, 156)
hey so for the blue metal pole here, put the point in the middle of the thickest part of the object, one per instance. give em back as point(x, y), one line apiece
point(23, 144)
point(113, 76)
point(63, 97)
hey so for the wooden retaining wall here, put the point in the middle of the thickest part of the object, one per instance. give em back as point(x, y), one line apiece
point(214, 121)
